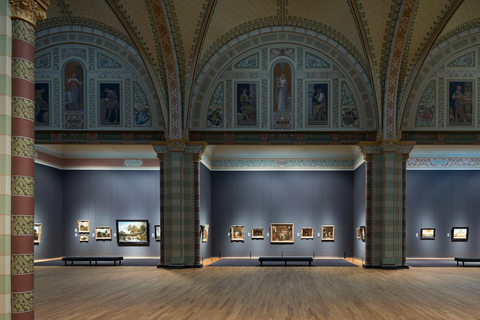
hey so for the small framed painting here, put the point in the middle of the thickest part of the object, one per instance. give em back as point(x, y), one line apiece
point(362, 233)
point(37, 232)
point(282, 233)
point(83, 237)
point(328, 233)
point(460, 234)
point(307, 233)
point(257, 233)
point(205, 230)
point(103, 233)
point(83, 226)
point(358, 233)
point(132, 233)
point(158, 232)
point(427, 234)
point(237, 233)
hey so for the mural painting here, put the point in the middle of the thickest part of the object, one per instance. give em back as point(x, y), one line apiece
point(42, 103)
point(460, 95)
point(110, 104)
point(74, 95)
point(140, 107)
point(246, 94)
point(317, 102)
point(282, 95)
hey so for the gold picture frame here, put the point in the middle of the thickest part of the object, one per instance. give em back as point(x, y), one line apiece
point(83, 237)
point(237, 233)
point(257, 233)
point(358, 233)
point(307, 233)
point(205, 230)
point(103, 233)
point(427, 234)
point(37, 232)
point(328, 233)
point(83, 226)
point(282, 233)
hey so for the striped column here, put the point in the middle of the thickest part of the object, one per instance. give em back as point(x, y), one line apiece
point(196, 186)
point(162, 209)
point(5, 160)
point(368, 209)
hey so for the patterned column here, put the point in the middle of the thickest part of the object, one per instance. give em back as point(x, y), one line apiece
point(5, 153)
point(162, 208)
point(25, 14)
point(385, 203)
point(180, 218)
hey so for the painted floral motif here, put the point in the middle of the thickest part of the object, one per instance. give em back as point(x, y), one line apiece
point(313, 61)
point(465, 61)
point(277, 52)
point(43, 61)
point(74, 52)
point(215, 112)
point(249, 62)
point(426, 110)
point(104, 62)
point(140, 106)
point(349, 108)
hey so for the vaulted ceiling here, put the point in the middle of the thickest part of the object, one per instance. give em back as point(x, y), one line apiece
point(366, 28)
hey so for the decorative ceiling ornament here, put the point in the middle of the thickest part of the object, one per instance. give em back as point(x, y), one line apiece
point(29, 10)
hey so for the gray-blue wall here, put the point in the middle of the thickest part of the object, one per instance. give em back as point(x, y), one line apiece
point(206, 208)
point(258, 198)
point(49, 211)
point(442, 200)
point(358, 210)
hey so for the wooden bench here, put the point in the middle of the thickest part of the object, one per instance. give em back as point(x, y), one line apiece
point(90, 259)
point(463, 260)
point(262, 259)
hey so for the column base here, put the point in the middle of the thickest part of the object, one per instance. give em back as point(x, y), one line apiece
point(386, 267)
point(182, 266)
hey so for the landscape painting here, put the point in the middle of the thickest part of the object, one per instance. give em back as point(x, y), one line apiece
point(205, 230)
point(37, 235)
point(328, 233)
point(132, 233)
point(83, 237)
point(103, 233)
point(282, 233)
point(237, 233)
point(83, 226)
point(158, 232)
point(257, 233)
point(460, 234)
point(427, 234)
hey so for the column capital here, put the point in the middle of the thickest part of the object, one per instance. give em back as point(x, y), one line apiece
point(386, 145)
point(181, 145)
point(31, 11)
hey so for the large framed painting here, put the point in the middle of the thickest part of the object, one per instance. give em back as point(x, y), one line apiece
point(247, 103)
point(307, 233)
point(83, 226)
point(205, 230)
point(460, 234)
point(328, 233)
point(37, 232)
point(83, 237)
point(317, 104)
point(42, 103)
point(362, 233)
point(110, 103)
point(158, 232)
point(237, 233)
point(103, 233)
point(427, 234)
point(461, 101)
point(282, 233)
point(132, 233)
point(257, 233)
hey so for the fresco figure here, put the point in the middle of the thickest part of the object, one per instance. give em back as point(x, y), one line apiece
point(281, 95)
point(113, 107)
point(459, 107)
point(319, 106)
point(41, 103)
point(73, 83)
point(246, 105)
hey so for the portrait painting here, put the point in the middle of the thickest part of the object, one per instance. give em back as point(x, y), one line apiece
point(282, 87)
point(110, 104)
point(83, 237)
point(237, 233)
point(257, 233)
point(103, 233)
point(317, 104)
point(42, 103)
point(307, 233)
point(282, 233)
point(460, 94)
point(427, 233)
point(328, 233)
point(37, 232)
point(83, 226)
point(132, 233)
point(247, 103)
point(205, 230)
point(74, 86)
point(460, 234)
point(158, 232)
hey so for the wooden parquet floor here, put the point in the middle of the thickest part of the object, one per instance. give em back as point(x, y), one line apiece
point(256, 293)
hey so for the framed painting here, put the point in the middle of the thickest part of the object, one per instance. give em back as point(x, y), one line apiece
point(461, 102)
point(103, 233)
point(427, 234)
point(42, 103)
point(362, 233)
point(83, 226)
point(317, 104)
point(83, 237)
point(237, 233)
point(158, 232)
point(358, 233)
point(328, 233)
point(247, 103)
point(282, 233)
point(307, 233)
point(257, 233)
point(132, 233)
point(460, 234)
point(205, 230)
point(110, 103)
point(37, 232)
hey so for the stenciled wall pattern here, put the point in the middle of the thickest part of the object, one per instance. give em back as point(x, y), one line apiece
point(84, 85)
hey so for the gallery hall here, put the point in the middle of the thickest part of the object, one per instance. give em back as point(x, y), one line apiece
point(224, 159)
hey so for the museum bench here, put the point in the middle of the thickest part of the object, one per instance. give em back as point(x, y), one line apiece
point(90, 259)
point(463, 260)
point(262, 259)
